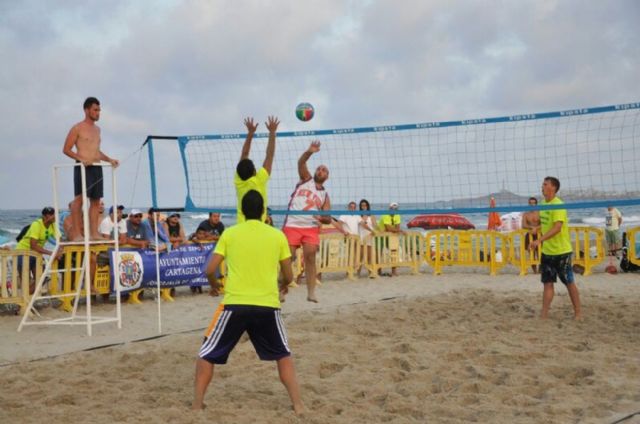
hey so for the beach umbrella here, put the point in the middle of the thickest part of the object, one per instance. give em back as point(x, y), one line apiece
point(494, 217)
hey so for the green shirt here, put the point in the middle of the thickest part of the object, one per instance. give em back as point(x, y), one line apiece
point(561, 242)
point(252, 252)
point(389, 220)
point(37, 231)
point(257, 182)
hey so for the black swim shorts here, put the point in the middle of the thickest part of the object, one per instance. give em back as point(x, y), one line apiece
point(556, 266)
point(94, 182)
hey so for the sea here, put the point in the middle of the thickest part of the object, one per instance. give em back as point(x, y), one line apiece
point(13, 220)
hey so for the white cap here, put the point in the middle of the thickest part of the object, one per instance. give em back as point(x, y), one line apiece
point(135, 212)
point(393, 204)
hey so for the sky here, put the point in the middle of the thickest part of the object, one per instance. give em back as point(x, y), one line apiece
point(174, 67)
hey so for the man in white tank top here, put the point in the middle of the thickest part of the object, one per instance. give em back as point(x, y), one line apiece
point(304, 230)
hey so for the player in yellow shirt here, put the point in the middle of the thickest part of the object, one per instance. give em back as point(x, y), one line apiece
point(253, 252)
point(555, 261)
point(246, 177)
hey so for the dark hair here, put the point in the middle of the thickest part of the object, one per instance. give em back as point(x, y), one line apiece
point(245, 169)
point(252, 205)
point(534, 199)
point(48, 211)
point(554, 182)
point(365, 201)
point(90, 101)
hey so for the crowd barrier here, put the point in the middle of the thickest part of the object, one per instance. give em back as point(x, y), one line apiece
point(632, 252)
point(337, 253)
point(583, 239)
point(489, 249)
point(16, 282)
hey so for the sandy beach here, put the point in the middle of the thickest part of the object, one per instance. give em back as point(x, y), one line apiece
point(460, 347)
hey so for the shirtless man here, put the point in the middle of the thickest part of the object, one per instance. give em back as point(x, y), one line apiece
point(85, 137)
point(531, 223)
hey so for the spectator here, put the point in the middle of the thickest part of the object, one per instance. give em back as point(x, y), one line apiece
point(106, 228)
point(366, 227)
point(150, 229)
point(36, 237)
point(174, 230)
point(137, 235)
point(391, 223)
point(213, 227)
point(349, 223)
point(613, 220)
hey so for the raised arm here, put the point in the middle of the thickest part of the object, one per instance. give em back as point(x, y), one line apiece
point(272, 125)
point(303, 170)
point(251, 130)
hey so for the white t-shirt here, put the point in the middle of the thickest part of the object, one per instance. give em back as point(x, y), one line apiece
point(362, 231)
point(351, 222)
point(612, 220)
point(306, 197)
point(106, 226)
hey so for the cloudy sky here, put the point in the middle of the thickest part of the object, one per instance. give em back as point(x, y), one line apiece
point(199, 67)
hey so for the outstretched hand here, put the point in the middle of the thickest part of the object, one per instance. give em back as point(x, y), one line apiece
point(272, 124)
point(251, 127)
point(314, 147)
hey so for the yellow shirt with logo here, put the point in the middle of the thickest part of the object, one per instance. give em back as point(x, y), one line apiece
point(37, 231)
point(252, 251)
point(259, 183)
point(389, 220)
point(561, 242)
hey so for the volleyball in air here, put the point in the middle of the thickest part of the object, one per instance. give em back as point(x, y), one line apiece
point(304, 111)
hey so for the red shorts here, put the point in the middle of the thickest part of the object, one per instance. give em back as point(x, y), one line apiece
point(299, 236)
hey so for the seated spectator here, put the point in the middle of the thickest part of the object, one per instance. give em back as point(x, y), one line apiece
point(36, 237)
point(106, 228)
point(150, 227)
point(213, 227)
point(137, 234)
point(64, 226)
point(174, 229)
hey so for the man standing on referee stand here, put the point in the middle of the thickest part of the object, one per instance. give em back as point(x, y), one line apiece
point(85, 137)
point(253, 251)
point(556, 249)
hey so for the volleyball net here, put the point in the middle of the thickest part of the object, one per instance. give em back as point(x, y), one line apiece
point(430, 167)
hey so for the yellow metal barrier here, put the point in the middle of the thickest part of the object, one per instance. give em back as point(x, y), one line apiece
point(582, 240)
point(336, 253)
point(519, 256)
point(15, 282)
point(393, 250)
point(466, 248)
point(631, 242)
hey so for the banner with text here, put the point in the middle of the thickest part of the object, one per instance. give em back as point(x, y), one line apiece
point(183, 266)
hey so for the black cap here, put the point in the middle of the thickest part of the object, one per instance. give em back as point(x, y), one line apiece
point(48, 211)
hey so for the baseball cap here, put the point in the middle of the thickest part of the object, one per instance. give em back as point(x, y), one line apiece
point(393, 205)
point(135, 212)
point(120, 207)
point(48, 211)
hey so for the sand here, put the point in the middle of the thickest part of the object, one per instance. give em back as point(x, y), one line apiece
point(461, 347)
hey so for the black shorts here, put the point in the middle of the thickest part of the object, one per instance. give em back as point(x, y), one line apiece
point(264, 326)
point(556, 266)
point(94, 182)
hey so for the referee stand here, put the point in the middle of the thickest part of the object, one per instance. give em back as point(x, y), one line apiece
point(31, 316)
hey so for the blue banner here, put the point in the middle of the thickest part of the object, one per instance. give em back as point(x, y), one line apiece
point(183, 266)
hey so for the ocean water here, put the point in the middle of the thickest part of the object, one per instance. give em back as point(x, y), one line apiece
point(12, 221)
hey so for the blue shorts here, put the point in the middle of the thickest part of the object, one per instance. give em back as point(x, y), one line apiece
point(553, 267)
point(264, 326)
